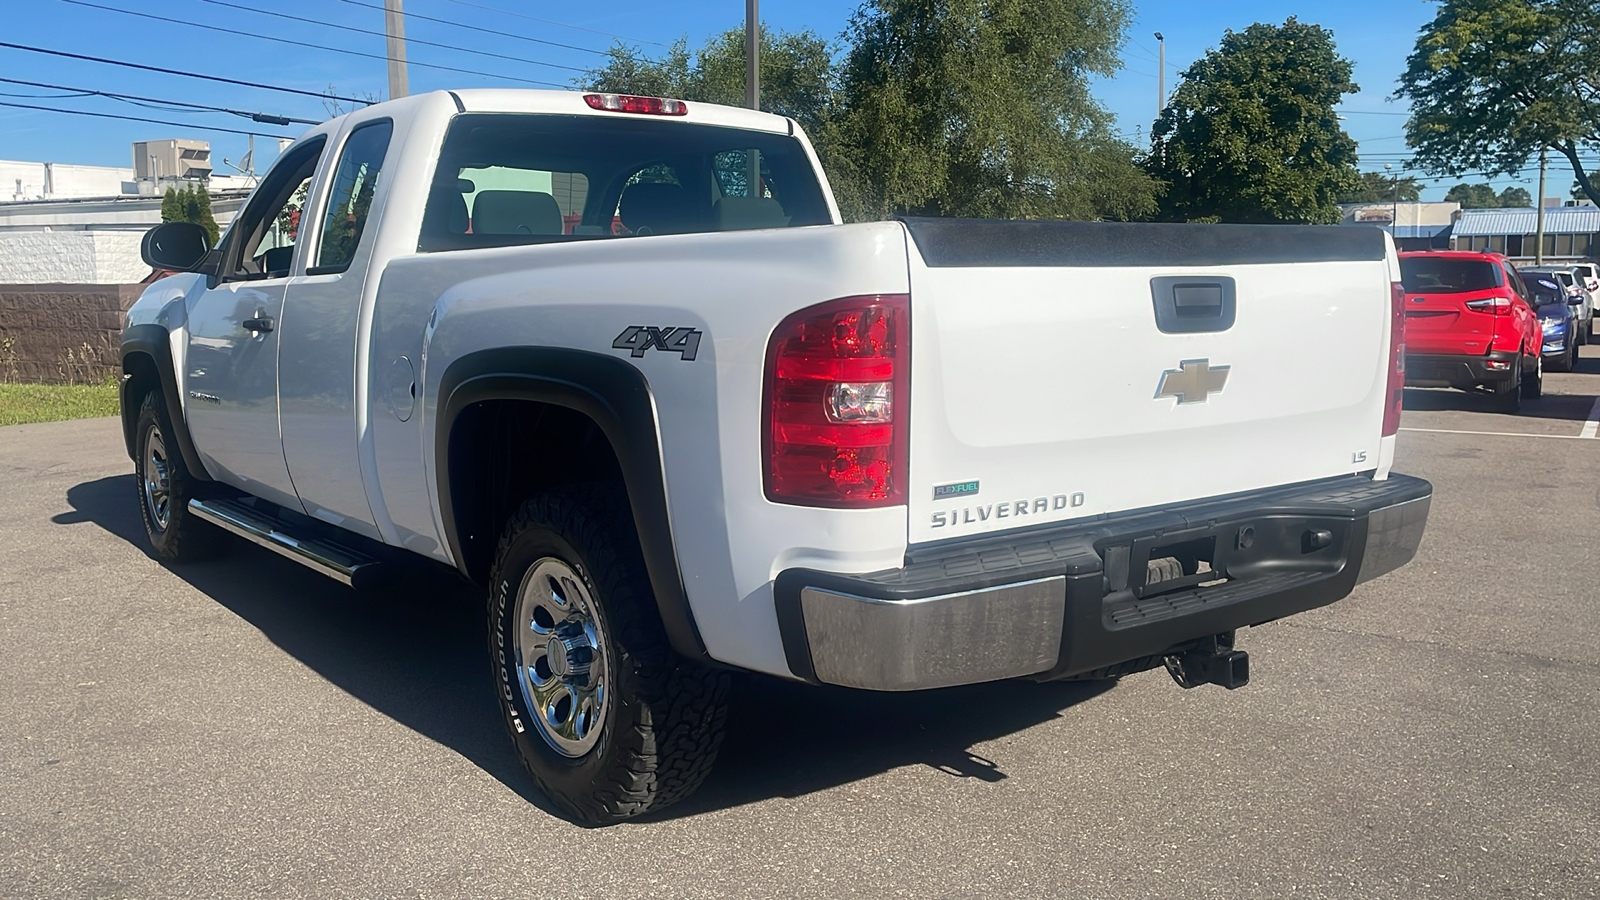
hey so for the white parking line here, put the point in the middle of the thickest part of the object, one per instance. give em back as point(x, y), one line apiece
point(1593, 425)
point(1588, 433)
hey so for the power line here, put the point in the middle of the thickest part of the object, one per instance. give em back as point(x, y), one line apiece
point(409, 40)
point(514, 36)
point(519, 15)
point(216, 78)
point(294, 43)
point(80, 112)
point(263, 118)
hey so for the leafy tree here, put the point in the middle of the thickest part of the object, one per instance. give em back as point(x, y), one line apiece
point(203, 215)
point(1482, 196)
point(1491, 82)
point(796, 73)
point(982, 108)
point(1251, 134)
point(1515, 197)
point(1379, 187)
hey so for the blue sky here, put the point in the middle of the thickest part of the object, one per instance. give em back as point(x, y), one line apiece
point(1375, 36)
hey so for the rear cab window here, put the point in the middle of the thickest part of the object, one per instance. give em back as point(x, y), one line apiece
point(1445, 275)
point(507, 178)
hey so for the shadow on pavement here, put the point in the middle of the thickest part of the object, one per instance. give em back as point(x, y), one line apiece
point(1565, 407)
point(416, 652)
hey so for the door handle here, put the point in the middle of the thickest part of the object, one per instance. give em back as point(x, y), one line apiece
point(258, 325)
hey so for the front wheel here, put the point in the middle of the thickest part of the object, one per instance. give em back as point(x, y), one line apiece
point(165, 489)
point(606, 717)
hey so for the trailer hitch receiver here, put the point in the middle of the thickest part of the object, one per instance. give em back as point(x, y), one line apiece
point(1210, 661)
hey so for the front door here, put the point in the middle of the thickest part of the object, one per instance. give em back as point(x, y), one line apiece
point(231, 370)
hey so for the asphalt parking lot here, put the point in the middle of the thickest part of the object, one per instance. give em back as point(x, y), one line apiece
point(245, 728)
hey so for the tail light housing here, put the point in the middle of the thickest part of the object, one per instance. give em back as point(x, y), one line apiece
point(1500, 306)
point(838, 380)
point(628, 103)
point(1397, 359)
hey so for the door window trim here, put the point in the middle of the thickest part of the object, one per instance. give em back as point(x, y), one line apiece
point(326, 197)
point(268, 193)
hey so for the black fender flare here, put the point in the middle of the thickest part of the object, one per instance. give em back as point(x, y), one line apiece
point(152, 341)
point(616, 396)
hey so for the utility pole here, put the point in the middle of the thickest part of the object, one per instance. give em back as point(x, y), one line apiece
point(1161, 75)
point(394, 25)
point(1538, 215)
point(1394, 205)
point(752, 54)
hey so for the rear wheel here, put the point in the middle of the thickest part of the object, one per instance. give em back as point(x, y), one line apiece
point(606, 717)
point(1508, 393)
point(1533, 387)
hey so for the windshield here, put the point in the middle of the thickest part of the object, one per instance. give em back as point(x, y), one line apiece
point(1443, 275)
point(524, 179)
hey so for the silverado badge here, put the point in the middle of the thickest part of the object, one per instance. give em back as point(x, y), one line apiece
point(1192, 381)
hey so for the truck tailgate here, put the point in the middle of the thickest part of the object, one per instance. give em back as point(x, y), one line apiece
point(1062, 370)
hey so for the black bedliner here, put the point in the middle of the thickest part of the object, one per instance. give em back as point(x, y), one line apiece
point(1001, 242)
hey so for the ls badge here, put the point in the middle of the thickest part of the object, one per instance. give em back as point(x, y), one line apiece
point(1192, 382)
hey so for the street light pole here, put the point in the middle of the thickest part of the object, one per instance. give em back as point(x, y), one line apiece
point(1538, 215)
point(394, 26)
point(1161, 75)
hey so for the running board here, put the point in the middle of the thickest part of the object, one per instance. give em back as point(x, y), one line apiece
point(333, 560)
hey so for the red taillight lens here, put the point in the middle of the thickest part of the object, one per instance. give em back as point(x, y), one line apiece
point(1397, 359)
point(1499, 306)
point(838, 379)
point(648, 106)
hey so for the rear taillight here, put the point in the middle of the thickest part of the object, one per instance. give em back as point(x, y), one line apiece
point(1499, 306)
point(1397, 359)
point(627, 103)
point(838, 379)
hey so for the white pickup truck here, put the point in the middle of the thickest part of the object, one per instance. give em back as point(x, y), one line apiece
point(617, 360)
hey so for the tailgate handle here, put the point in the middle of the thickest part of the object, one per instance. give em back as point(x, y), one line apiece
point(1191, 304)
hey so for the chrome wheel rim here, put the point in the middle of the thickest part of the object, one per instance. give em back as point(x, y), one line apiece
point(157, 479)
point(562, 665)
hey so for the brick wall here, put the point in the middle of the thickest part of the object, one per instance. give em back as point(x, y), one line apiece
point(62, 333)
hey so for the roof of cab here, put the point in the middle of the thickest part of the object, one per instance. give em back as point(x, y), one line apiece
point(508, 100)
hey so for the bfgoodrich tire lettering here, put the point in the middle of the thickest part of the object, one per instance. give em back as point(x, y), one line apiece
point(656, 730)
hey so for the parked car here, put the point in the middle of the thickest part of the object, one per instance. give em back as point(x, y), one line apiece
point(1591, 276)
point(1558, 317)
point(1573, 285)
point(743, 435)
point(1470, 325)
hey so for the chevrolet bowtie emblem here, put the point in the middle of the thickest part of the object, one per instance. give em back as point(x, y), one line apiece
point(1192, 381)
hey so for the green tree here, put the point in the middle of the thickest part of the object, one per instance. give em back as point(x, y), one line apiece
point(982, 108)
point(796, 73)
point(1491, 82)
point(172, 206)
point(1515, 197)
point(1482, 196)
point(1380, 187)
point(1251, 134)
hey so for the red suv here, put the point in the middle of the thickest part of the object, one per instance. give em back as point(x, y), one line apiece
point(1470, 325)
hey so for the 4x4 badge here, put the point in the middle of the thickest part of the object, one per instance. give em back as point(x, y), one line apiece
point(1193, 381)
point(683, 341)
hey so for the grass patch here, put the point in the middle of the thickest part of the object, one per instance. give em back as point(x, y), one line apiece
point(21, 404)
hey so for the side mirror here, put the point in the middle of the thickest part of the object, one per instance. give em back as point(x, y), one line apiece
point(1575, 301)
point(177, 246)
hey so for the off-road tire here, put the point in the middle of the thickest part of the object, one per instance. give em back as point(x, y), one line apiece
point(663, 725)
point(185, 538)
point(1508, 393)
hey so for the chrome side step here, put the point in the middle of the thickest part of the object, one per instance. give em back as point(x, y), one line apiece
point(333, 560)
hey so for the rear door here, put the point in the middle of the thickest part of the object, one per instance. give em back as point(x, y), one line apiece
point(1063, 370)
point(1451, 303)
